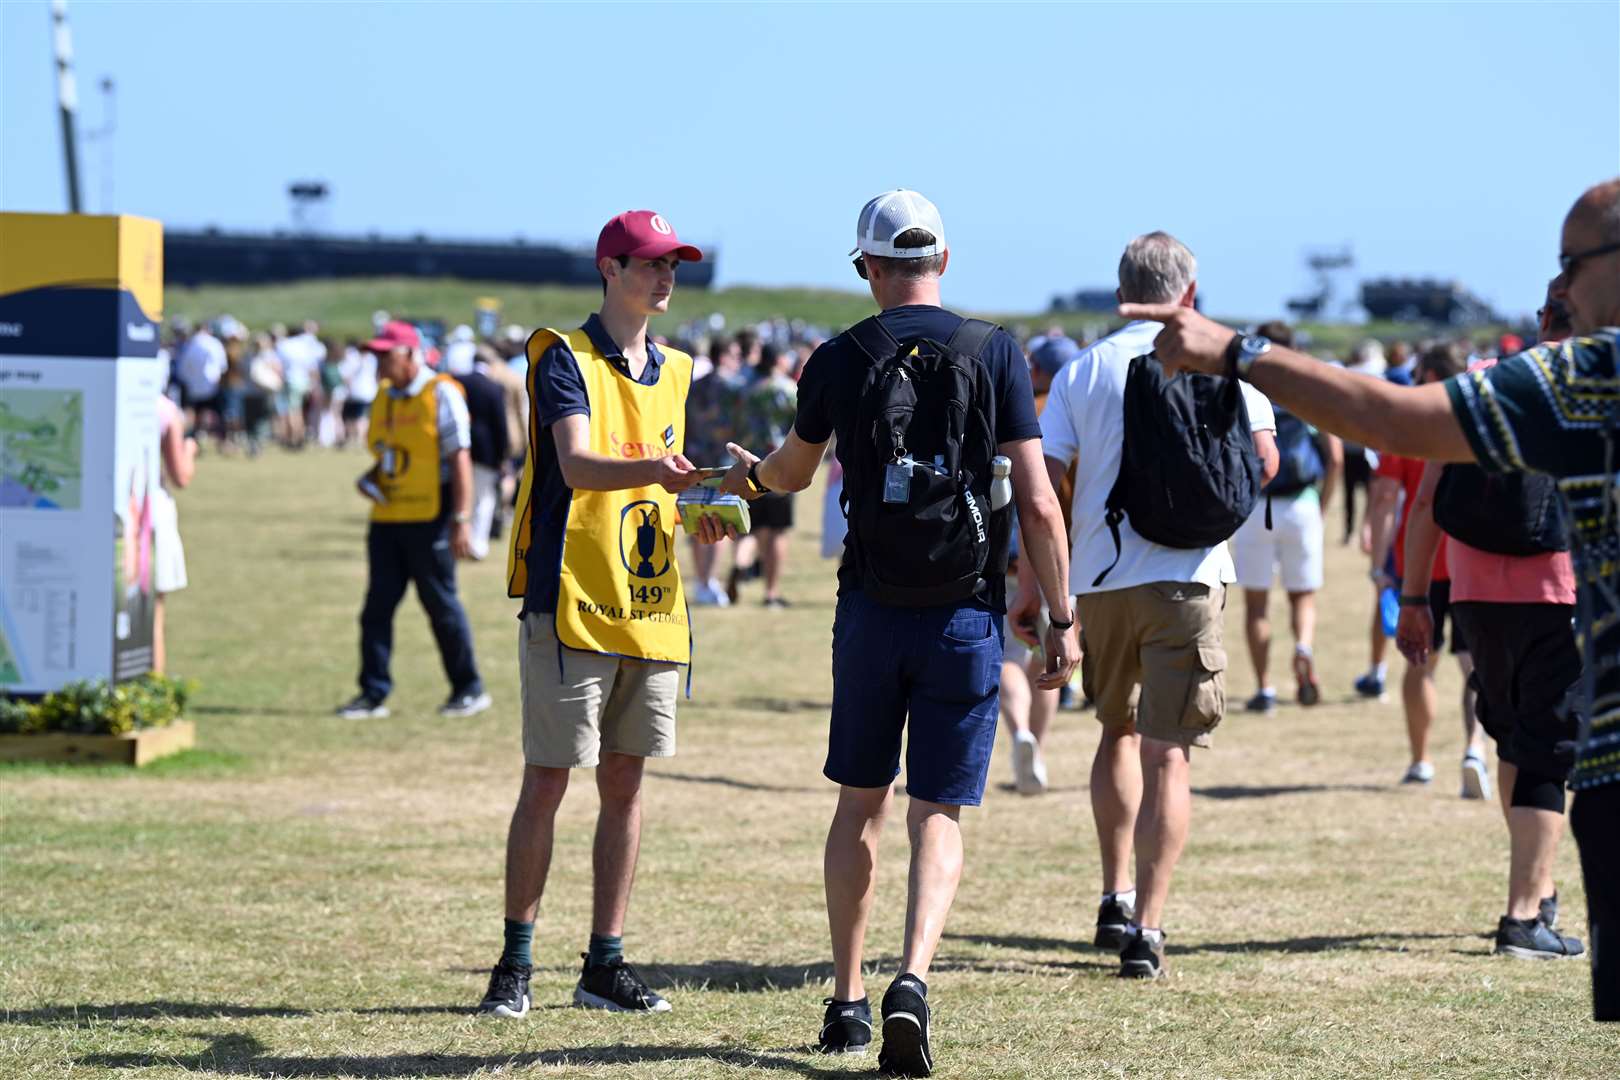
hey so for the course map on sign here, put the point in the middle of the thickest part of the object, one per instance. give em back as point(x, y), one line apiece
point(41, 449)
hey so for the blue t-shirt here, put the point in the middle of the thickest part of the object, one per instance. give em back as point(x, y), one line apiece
point(830, 391)
point(556, 390)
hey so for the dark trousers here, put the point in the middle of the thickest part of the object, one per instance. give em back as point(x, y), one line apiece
point(398, 554)
point(1595, 819)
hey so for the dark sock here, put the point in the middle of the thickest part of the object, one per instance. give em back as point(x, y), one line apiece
point(605, 949)
point(519, 944)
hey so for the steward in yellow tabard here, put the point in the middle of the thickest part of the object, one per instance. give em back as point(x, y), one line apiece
point(404, 438)
point(421, 503)
point(618, 587)
point(603, 630)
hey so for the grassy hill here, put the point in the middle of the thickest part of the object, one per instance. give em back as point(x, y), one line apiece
point(345, 306)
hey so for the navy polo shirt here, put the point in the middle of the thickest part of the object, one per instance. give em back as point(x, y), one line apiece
point(830, 391)
point(556, 390)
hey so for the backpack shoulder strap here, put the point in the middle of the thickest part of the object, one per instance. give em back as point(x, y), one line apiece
point(874, 339)
point(972, 336)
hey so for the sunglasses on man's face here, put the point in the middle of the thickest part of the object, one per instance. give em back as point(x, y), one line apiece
point(1570, 262)
point(860, 266)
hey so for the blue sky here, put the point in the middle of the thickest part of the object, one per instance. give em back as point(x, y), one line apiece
point(1438, 139)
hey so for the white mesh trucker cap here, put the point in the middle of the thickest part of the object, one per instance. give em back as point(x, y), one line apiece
point(892, 213)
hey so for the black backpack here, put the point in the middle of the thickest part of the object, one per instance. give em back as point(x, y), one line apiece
point(1505, 513)
point(1299, 461)
point(922, 533)
point(1188, 473)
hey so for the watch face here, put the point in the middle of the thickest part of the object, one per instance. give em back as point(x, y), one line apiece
point(1253, 345)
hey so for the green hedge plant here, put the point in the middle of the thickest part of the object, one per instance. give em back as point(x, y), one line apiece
point(98, 707)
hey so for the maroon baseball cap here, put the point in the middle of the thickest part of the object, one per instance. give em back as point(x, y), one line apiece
point(395, 335)
point(642, 234)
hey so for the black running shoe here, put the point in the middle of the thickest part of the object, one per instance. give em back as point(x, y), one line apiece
point(362, 708)
point(846, 1027)
point(1532, 939)
point(1549, 910)
point(615, 987)
point(1142, 957)
point(905, 1029)
point(508, 993)
point(1113, 920)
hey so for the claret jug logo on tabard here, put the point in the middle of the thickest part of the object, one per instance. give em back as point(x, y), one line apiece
point(643, 545)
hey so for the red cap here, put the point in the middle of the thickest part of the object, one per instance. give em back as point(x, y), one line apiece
point(395, 335)
point(1510, 344)
point(642, 234)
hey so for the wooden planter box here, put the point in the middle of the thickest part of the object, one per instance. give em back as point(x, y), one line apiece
point(137, 748)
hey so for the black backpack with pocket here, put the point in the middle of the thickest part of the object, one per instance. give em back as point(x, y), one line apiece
point(1300, 464)
point(1515, 514)
point(917, 486)
point(1188, 472)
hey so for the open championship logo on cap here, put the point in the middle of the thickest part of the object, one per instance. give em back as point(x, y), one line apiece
point(660, 225)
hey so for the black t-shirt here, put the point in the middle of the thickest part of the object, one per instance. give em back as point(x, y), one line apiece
point(830, 390)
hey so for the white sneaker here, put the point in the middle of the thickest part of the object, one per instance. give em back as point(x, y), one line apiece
point(1029, 772)
point(1419, 772)
point(1476, 779)
point(710, 594)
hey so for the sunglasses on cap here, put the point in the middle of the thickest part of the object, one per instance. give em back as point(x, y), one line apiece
point(1570, 263)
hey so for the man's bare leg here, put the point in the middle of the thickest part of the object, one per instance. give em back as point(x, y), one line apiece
point(529, 839)
point(849, 867)
point(936, 869)
point(617, 842)
point(1161, 830)
point(1116, 797)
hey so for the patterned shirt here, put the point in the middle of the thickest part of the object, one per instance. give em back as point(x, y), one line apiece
point(1556, 409)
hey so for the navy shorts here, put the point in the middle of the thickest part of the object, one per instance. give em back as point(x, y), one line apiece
point(937, 669)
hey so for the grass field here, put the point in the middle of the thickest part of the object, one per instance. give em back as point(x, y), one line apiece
point(302, 897)
point(346, 306)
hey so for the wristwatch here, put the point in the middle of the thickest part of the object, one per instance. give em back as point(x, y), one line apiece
point(1414, 601)
point(464, 518)
point(754, 480)
point(1056, 625)
point(1244, 350)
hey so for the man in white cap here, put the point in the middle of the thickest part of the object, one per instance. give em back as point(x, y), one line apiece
point(923, 401)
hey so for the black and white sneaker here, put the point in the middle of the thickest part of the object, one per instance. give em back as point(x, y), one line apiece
point(1549, 910)
point(846, 1027)
point(1142, 956)
point(362, 708)
point(905, 1029)
point(615, 987)
point(508, 993)
point(1113, 920)
point(1532, 939)
point(461, 705)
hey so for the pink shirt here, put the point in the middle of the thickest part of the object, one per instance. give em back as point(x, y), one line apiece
point(1487, 577)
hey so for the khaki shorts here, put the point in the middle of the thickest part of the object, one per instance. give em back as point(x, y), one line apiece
point(586, 703)
point(1153, 655)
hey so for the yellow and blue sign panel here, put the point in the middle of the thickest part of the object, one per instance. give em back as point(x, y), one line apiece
point(80, 285)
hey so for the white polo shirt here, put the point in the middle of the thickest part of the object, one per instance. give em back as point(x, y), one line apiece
point(1084, 421)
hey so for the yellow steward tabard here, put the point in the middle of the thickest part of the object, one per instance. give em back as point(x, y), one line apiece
point(404, 438)
point(619, 583)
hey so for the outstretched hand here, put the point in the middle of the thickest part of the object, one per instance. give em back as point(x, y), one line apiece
point(735, 481)
point(1189, 341)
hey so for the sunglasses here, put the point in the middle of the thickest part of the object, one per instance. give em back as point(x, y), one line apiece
point(1569, 263)
point(860, 266)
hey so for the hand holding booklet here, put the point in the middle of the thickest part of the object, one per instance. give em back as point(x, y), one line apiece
point(702, 499)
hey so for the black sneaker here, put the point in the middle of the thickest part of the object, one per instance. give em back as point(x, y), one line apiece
point(1532, 939)
point(846, 1027)
point(1142, 956)
point(363, 708)
point(508, 993)
point(615, 987)
point(1549, 910)
point(905, 1029)
point(461, 705)
point(1113, 920)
